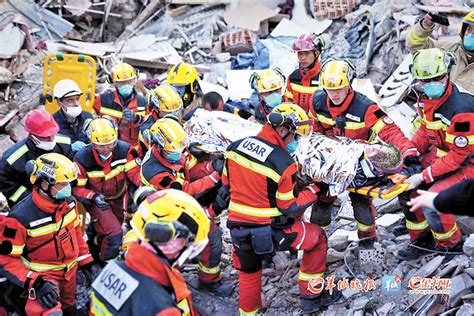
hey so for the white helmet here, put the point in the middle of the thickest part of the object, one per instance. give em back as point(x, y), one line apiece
point(66, 88)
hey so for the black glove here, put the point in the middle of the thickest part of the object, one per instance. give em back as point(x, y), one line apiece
point(323, 188)
point(222, 200)
point(218, 165)
point(46, 292)
point(99, 200)
point(196, 151)
point(243, 113)
point(129, 115)
point(303, 179)
point(412, 165)
point(85, 275)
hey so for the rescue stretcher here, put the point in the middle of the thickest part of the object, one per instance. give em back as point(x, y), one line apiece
point(80, 68)
point(392, 187)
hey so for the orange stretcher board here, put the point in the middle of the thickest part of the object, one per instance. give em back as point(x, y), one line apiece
point(391, 189)
point(80, 68)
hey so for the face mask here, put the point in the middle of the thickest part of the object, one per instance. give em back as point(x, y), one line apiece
point(104, 158)
point(72, 111)
point(468, 42)
point(125, 90)
point(47, 146)
point(173, 157)
point(433, 90)
point(272, 100)
point(291, 147)
point(64, 193)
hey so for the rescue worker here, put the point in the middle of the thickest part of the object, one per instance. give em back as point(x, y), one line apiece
point(185, 78)
point(260, 175)
point(463, 47)
point(304, 81)
point(108, 170)
point(339, 110)
point(446, 141)
point(165, 166)
point(172, 227)
point(41, 241)
point(124, 104)
point(269, 84)
point(70, 117)
point(42, 138)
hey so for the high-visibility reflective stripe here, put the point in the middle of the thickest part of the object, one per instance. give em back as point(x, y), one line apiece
point(213, 270)
point(114, 172)
point(77, 222)
point(254, 211)
point(191, 162)
point(98, 308)
point(325, 120)
point(51, 228)
point(288, 94)
point(285, 196)
point(436, 125)
point(378, 126)
point(303, 89)
point(447, 235)
point(17, 250)
point(308, 277)
point(184, 307)
point(81, 182)
point(130, 165)
point(80, 258)
point(260, 169)
point(416, 39)
point(15, 196)
point(180, 178)
point(224, 171)
point(43, 267)
point(363, 227)
point(450, 138)
point(62, 139)
point(440, 153)
point(354, 125)
point(417, 226)
point(251, 313)
point(17, 154)
point(111, 112)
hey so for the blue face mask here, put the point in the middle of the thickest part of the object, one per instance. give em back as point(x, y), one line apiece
point(64, 193)
point(173, 157)
point(291, 147)
point(125, 90)
point(433, 90)
point(274, 99)
point(468, 42)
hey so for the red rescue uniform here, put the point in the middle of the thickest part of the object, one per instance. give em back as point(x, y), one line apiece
point(301, 85)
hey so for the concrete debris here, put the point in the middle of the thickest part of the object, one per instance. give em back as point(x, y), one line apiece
point(338, 242)
point(468, 247)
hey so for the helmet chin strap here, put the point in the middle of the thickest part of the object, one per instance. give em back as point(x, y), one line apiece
point(311, 65)
point(160, 253)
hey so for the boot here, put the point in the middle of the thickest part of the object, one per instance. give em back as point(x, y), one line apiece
point(218, 288)
point(448, 253)
point(400, 228)
point(411, 253)
point(321, 302)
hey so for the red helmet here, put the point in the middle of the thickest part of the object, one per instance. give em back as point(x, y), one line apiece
point(308, 42)
point(41, 123)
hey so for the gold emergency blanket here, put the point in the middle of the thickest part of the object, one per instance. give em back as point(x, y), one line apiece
point(215, 130)
point(329, 159)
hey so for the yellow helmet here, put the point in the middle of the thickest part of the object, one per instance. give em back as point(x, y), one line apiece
point(165, 98)
point(123, 72)
point(267, 80)
point(130, 237)
point(183, 74)
point(292, 116)
point(101, 131)
point(169, 214)
point(169, 135)
point(337, 74)
point(52, 168)
point(466, 21)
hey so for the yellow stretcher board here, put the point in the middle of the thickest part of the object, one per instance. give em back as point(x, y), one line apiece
point(392, 189)
point(80, 68)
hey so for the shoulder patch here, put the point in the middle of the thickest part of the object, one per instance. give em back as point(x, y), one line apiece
point(462, 126)
point(165, 182)
point(9, 232)
point(461, 141)
point(255, 149)
point(379, 113)
point(388, 120)
point(115, 285)
point(40, 221)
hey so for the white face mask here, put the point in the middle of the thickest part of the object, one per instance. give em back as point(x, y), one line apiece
point(104, 158)
point(73, 111)
point(47, 146)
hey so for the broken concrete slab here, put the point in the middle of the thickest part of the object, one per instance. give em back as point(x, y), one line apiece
point(12, 39)
point(359, 303)
point(460, 284)
point(334, 256)
point(388, 219)
point(248, 16)
point(466, 224)
point(338, 242)
point(468, 247)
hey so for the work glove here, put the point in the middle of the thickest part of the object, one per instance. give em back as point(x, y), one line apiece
point(313, 188)
point(222, 200)
point(218, 165)
point(99, 200)
point(78, 145)
point(243, 113)
point(129, 115)
point(85, 275)
point(323, 187)
point(303, 179)
point(415, 181)
point(46, 292)
point(196, 150)
point(412, 165)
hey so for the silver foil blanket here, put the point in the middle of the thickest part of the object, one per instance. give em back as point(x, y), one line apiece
point(330, 160)
point(215, 130)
